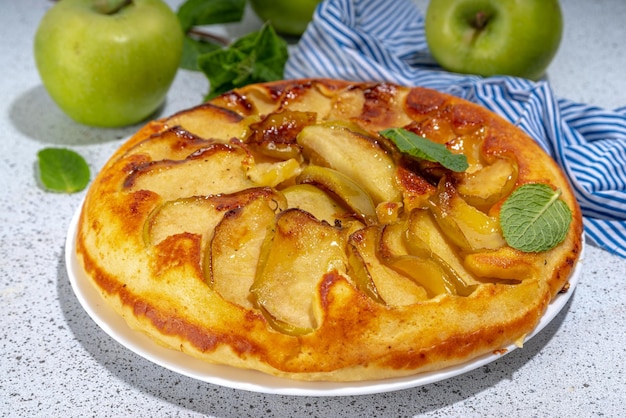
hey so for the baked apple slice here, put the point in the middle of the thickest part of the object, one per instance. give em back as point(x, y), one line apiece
point(424, 239)
point(354, 154)
point(273, 173)
point(297, 252)
point(212, 122)
point(275, 135)
point(341, 186)
point(375, 279)
point(306, 98)
point(199, 215)
point(225, 167)
point(347, 104)
point(237, 242)
point(172, 144)
point(427, 272)
point(466, 226)
point(314, 200)
point(195, 215)
point(484, 187)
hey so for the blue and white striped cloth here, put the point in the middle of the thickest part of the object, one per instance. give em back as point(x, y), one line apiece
point(367, 40)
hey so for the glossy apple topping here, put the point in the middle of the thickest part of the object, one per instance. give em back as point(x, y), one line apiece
point(278, 221)
point(290, 195)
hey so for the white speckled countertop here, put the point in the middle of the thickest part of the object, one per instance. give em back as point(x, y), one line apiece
point(55, 361)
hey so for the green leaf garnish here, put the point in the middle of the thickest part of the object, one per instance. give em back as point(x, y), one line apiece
point(206, 12)
point(534, 218)
point(192, 49)
point(254, 58)
point(62, 170)
point(420, 147)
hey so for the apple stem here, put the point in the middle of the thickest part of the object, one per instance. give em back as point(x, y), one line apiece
point(480, 20)
point(209, 36)
point(109, 7)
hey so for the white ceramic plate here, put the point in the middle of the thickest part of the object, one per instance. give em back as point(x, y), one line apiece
point(251, 380)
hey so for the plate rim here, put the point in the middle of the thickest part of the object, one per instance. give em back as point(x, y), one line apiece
point(255, 381)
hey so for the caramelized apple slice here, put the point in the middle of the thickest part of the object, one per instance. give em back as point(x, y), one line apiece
point(416, 189)
point(375, 279)
point(357, 156)
point(273, 173)
point(466, 226)
point(423, 239)
point(306, 98)
point(237, 242)
point(197, 214)
point(257, 100)
point(275, 135)
point(342, 187)
point(359, 270)
point(347, 104)
point(385, 106)
point(314, 200)
point(211, 122)
point(425, 271)
point(296, 254)
point(174, 144)
point(219, 168)
point(488, 185)
point(388, 212)
point(392, 242)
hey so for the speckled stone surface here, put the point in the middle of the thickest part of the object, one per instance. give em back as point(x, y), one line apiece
point(55, 361)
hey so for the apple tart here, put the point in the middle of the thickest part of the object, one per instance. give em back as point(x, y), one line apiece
point(330, 230)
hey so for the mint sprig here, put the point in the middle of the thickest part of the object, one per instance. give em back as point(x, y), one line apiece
point(254, 58)
point(422, 148)
point(62, 170)
point(534, 218)
point(194, 13)
point(192, 49)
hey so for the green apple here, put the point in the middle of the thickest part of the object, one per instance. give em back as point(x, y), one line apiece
point(108, 69)
point(494, 37)
point(288, 17)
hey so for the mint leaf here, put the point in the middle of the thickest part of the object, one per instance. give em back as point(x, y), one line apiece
point(420, 147)
point(62, 170)
point(192, 49)
point(206, 12)
point(534, 218)
point(254, 58)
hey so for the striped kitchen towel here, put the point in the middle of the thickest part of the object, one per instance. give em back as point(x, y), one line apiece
point(367, 40)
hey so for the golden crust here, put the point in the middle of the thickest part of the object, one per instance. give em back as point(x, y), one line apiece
point(224, 163)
